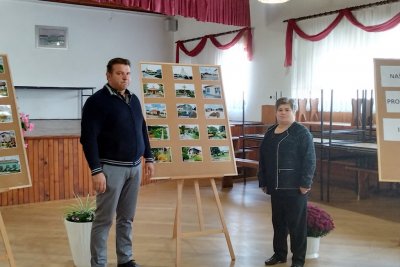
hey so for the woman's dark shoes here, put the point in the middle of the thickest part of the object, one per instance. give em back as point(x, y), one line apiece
point(274, 260)
point(131, 263)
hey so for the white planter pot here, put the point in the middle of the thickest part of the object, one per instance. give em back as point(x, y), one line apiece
point(79, 242)
point(313, 247)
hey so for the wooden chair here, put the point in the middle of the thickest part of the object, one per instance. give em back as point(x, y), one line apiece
point(302, 111)
point(368, 112)
point(358, 109)
point(314, 114)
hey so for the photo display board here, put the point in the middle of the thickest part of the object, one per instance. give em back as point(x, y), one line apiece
point(14, 171)
point(387, 92)
point(187, 120)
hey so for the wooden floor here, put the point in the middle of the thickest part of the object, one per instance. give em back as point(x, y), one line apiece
point(367, 232)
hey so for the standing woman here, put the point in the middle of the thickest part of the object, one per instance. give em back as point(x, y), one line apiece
point(286, 170)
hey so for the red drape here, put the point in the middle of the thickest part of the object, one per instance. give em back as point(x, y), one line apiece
point(246, 32)
point(293, 27)
point(229, 12)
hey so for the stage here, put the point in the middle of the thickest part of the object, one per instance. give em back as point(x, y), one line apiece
point(45, 128)
point(57, 164)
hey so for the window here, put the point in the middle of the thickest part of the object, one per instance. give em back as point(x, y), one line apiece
point(343, 61)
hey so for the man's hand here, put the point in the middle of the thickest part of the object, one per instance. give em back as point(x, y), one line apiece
point(148, 171)
point(99, 182)
point(304, 190)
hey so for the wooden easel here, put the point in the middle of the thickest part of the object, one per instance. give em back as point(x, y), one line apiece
point(179, 235)
point(8, 255)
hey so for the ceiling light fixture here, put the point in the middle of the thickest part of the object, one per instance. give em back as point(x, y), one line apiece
point(272, 1)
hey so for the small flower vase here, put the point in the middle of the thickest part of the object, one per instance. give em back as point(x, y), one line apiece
point(312, 247)
point(79, 242)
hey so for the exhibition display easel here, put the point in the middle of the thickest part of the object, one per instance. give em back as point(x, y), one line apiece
point(189, 134)
point(178, 234)
point(14, 171)
point(387, 94)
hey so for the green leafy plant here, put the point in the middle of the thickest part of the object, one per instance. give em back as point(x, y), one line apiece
point(319, 222)
point(82, 211)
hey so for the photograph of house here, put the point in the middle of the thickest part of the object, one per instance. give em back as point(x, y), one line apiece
point(192, 154)
point(186, 110)
point(151, 71)
point(7, 139)
point(209, 73)
point(214, 111)
point(184, 90)
point(211, 91)
point(9, 165)
point(3, 88)
point(154, 90)
point(155, 111)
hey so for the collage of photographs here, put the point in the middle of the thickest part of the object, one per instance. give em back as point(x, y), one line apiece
point(9, 164)
point(188, 100)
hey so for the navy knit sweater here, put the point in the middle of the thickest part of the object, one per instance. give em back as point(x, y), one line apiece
point(113, 131)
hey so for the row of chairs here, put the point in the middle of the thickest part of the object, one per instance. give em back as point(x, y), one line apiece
point(360, 106)
point(302, 114)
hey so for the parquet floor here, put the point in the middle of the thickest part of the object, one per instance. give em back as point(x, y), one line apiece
point(367, 232)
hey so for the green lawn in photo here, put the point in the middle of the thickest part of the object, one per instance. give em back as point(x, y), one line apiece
point(220, 153)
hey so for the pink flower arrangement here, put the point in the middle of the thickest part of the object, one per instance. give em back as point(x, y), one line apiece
point(26, 125)
point(319, 222)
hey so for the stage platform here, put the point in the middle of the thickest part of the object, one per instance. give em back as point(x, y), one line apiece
point(55, 128)
point(57, 164)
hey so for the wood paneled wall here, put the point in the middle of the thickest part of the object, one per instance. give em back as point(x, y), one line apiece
point(58, 170)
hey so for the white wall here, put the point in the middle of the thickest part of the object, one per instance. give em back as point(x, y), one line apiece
point(95, 36)
point(268, 73)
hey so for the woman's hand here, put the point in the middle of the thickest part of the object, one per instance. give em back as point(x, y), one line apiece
point(304, 190)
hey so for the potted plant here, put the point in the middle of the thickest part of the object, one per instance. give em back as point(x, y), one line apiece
point(78, 220)
point(319, 224)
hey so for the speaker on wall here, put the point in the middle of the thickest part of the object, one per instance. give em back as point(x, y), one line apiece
point(171, 24)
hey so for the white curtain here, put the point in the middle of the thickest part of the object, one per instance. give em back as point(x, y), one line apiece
point(234, 67)
point(343, 61)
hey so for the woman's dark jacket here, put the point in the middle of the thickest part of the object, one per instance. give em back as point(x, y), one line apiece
point(293, 161)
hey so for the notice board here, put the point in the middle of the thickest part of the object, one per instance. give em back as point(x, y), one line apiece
point(187, 120)
point(14, 171)
point(387, 92)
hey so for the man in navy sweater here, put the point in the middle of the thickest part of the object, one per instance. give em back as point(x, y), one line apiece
point(114, 139)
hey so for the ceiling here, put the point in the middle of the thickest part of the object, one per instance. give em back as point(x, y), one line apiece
point(100, 5)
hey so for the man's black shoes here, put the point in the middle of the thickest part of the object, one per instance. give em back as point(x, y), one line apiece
point(274, 260)
point(131, 263)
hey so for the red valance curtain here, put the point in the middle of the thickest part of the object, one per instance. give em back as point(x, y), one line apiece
point(293, 27)
point(229, 12)
point(246, 32)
